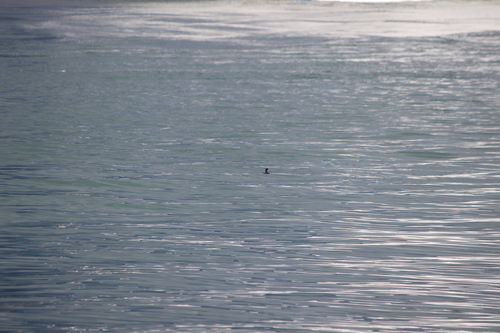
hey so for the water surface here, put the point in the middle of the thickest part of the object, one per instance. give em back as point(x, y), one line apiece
point(134, 137)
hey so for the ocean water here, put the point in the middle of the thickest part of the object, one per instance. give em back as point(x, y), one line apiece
point(134, 136)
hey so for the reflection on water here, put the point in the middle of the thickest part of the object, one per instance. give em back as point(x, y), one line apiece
point(134, 140)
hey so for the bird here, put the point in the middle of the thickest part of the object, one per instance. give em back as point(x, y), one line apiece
point(266, 171)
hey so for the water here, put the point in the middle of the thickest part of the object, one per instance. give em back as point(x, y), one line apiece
point(134, 137)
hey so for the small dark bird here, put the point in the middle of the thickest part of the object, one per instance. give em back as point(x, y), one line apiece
point(266, 171)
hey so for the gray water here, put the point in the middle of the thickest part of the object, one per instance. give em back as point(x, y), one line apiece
point(134, 137)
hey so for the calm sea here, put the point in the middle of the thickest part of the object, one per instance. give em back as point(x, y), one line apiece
point(134, 137)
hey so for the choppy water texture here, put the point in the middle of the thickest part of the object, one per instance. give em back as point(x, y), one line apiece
point(134, 137)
